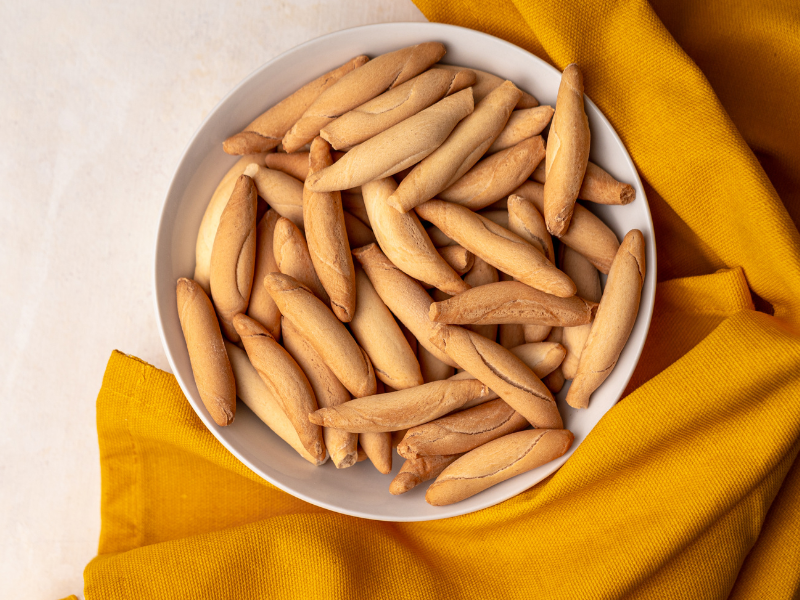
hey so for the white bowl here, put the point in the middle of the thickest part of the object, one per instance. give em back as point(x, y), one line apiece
point(360, 490)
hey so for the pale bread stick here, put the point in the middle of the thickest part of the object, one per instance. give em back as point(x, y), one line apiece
point(378, 448)
point(522, 124)
point(328, 245)
point(497, 246)
point(233, 257)
point(210, 222)
point(587, 280)
point(419, 470)
point(487, 82)
point(396, 148)
point(598, 186)
point(496, 176)
point(528, 223)
point(210, 364)
point(267, 131)
point(432, 368)
point(462, 431)
point(555, 379)
point(326, 334)
point(407, 300)
point(404, 241)
point(497, 461)
point(459, 152)
point(261, 306)
point(502, 371)
point(341, 445)
point(358, 234)
point(481, 274)
point(375, 329)
point(255, 394)
point(360, 85)
point(282, 192)
point(392, 107)
point(293, 258)
point(285, 380)
point(401, 409)
point(460, 259)
point(614, 321)
point(567, 152)
point(587, 234)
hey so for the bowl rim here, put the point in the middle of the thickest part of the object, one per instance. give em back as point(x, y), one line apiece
point(162, 225)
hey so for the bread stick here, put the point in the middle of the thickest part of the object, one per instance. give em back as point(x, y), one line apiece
point(358, 234)
point(327, 239)
point(555, 379)
point(233, 256)
point(407, 300)
point(418, 470)
point(487, 82)
point(342, 446)
point(266, 132)
point(378, 448)
point(460, 259)
point(510, 335)
point(326, 334)
point(497, 246)
point(522, 124)
point(587, 280)
point(294, 164)
point(404, 241)
point(459, 152)
point(481, 274)
point(375, 329)
point(360, 85)
point(210, 222)
point(285, 380)
point(432, 368)
point(535, 333)
point(598, 186)
point(502, 371)
point(261, 306)
point(462, 431)
point(394, 106)
point(587, 234)
point(401, 409)
point(354, 204)
point(210, 365)
point(497, 461)
point(528, 223)
point(614, 321)
point(293, 258)
point(496, 176)
point(567, 152)
point(396, 148)
point(282, 192)
point(439, 239)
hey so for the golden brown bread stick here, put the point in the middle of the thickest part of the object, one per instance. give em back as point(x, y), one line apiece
point(294, 164)
point(326, 334)
point(614, 321)
point(528, 223)
point(326, 233)
point(496, 176)
point(497, 461)
point(598, 186)
point(511, 335)
point(233, 257)
point(535, 333)
point(522, 124)
point(210, 222)
point(497, 246)
point(341, 445)
point(555, 379)
point(375, 329)
point(482, 273)
point(462, 431)
point(261, 306)
point(459, 152)
point(285, 380)
point(439, 239)
point(587, 234)
point(567, 152)
point(460, 259)
point(358, 234)
point(418, 470)
point(404, 241)
point(210, 364)
point(293, 258)
point(266, 131)
point(396, 148)
point(587, 280)
point(487, 82)
point(432, 368)
point(502, 371)
point(282, 192)
point(378, 448)
point(512, 302)
point(360, 85)
point(392, 107)
point(401, 409)
point(407, 300)
point(255, 394)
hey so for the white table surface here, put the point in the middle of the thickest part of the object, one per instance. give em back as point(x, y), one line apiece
point(97, 101)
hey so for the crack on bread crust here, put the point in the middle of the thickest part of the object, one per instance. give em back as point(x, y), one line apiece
point(508, 466)
point(505, 378)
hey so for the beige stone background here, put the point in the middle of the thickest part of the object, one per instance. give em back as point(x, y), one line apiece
point(97, 101)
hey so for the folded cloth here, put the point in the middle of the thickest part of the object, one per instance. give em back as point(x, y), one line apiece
point(688, 488)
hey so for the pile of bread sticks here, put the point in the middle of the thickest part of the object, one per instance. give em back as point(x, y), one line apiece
point(436, 180)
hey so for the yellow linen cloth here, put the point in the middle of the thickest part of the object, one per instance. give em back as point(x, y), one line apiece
point(688, 488)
